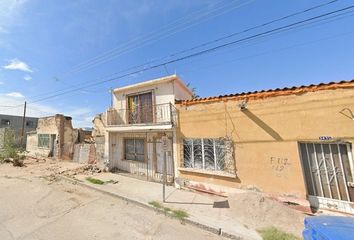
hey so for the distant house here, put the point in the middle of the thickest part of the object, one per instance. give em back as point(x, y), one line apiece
point(53, 137)
point(14, 123)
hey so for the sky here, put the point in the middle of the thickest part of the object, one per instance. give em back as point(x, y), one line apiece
point(55, 54)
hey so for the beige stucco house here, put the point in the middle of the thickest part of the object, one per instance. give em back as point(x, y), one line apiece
point(140, 115)
point(292, 143)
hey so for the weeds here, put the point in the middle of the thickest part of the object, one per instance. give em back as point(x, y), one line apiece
point(11, 151)
point(155, 204)
point(100, 182)
point(273, 233)
point(179, 214)
point(95, 181)
point(166, 209)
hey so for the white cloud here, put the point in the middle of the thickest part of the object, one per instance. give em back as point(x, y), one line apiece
point(9, 13)
point(15, 95)
point(15, 64)
point(28, 78)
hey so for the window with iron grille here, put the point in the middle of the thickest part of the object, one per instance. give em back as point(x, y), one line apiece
point(134, 149)
point(204, 153)
point(44, 140)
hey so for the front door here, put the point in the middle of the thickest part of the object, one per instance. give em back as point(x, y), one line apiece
point(328, 170)
point(160, 158)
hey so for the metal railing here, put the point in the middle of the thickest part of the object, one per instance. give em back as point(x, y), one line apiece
point(142, 114)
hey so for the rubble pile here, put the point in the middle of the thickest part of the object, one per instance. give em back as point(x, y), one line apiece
point(85, 170)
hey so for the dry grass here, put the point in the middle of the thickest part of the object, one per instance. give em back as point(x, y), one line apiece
point(179, 214)
point(273, 233)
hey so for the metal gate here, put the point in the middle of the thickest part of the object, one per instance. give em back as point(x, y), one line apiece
point(328, 171)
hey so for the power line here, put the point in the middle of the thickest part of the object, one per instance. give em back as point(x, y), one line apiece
point(267, 52)
point(213, 41)
point(336, 17)
point(228, 36)
point(203, 51)
point(166, 31)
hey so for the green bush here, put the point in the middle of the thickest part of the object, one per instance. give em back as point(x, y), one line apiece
point(11, 151)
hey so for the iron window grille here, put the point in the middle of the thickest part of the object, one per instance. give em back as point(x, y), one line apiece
point(43, 140)
point(134, 149)
point(204, 153)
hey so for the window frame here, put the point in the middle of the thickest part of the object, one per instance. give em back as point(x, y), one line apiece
point(5, 122)
point(203, 166)
point(38, 140)
point(136, 94)
point(125, 153)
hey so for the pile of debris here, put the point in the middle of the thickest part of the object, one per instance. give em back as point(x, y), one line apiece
point(89, 169)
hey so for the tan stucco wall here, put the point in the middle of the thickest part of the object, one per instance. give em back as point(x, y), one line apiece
point(266, 135)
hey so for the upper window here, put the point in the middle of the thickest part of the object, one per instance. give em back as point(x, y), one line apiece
point(134, 149)
point(140, 108)
point(44, 140)
point(204, 153)
point(5, 122)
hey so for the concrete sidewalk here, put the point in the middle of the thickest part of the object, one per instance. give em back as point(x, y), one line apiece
point(199, 206)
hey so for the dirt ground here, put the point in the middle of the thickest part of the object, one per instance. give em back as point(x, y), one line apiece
point(36, 204)
point(258, 212)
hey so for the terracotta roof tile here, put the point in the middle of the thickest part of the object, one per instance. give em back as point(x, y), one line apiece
point(272, 92)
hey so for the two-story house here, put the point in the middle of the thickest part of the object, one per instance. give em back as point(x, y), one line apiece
point(140, 115)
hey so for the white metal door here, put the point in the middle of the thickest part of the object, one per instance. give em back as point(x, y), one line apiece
point(328, 170)
point(169, 161)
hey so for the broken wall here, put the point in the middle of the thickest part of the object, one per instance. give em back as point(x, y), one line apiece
point(84, 153)
point(63, 137)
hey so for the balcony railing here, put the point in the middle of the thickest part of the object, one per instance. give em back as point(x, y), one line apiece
point(142, 114)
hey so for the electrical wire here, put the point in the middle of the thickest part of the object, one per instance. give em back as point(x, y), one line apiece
point(146, 65)
point(202, 52)
point(237, 33)
point(159, 34)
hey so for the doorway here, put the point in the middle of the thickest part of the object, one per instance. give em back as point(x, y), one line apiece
point(328, 172)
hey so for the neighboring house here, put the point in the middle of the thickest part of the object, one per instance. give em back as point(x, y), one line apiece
point(15, 124)
point(293, 142)
point(53, 137)
point(141, 114)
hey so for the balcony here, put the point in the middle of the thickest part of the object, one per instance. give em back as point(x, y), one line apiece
point(141, 115)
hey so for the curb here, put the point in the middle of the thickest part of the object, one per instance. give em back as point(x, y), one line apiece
point(214, 230)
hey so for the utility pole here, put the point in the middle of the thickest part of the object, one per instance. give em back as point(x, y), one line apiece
point(23, 122)
point(111, 91)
